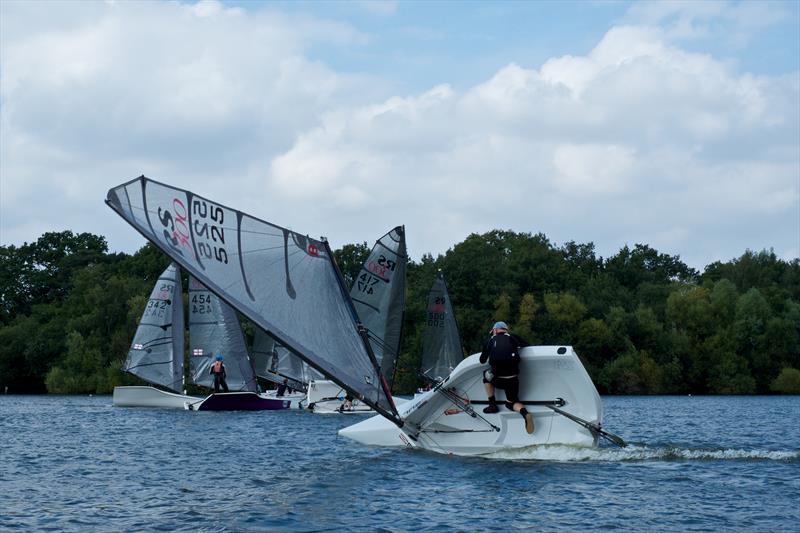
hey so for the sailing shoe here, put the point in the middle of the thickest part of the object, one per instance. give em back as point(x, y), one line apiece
point(529, 423)
point(491, 408)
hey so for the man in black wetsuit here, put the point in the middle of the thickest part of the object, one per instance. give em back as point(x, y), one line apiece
point(502, 352)
point(218, 371)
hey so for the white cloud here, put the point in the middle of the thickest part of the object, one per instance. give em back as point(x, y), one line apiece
point(639, 140)
point(735, 23)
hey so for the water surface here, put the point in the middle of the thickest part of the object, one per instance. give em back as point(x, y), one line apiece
point(695, 464)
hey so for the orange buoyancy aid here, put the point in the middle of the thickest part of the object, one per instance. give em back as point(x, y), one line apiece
point(217, 367)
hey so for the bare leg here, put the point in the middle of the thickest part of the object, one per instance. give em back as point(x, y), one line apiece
point(518, 407)
point(490, 390)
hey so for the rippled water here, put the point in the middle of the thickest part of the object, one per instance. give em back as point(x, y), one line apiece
point(696, 463)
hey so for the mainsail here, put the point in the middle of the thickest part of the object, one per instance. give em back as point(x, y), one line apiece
point(286, 283)
point(276, 363)
point(156, 353)
point(215, 329)
point(379, 297)
point(441, 345)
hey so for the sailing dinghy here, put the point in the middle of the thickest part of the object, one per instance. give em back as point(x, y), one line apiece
point(156, 353)
point(214, 329)
point(441, 343)
point(449, 418)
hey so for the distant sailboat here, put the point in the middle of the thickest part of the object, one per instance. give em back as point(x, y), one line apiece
point(441, 344)
point(214, 329)
point(156, 353)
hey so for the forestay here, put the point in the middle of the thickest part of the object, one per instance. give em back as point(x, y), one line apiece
point(379, 297)
point(215, 329)
point(441, 345)
point(286, 283)
point(156, 354)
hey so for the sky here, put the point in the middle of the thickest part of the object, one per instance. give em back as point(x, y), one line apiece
point(674, 124)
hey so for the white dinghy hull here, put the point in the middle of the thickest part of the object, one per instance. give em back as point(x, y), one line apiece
point(433, 421)
point(326, 397)
point(143, 396)
point(297, 400)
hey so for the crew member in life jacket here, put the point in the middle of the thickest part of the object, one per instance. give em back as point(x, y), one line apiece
point(218, 371)
point(502, 352)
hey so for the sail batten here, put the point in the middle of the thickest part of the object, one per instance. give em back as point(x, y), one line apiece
point(286, 283)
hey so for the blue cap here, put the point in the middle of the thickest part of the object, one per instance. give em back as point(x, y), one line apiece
point(500, 325)
point(219, 357)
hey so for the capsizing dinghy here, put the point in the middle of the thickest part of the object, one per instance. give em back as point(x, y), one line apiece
point(449, 418)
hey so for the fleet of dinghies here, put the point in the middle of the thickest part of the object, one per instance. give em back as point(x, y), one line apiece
point(322, 341)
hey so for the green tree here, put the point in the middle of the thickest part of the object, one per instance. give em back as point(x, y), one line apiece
point(787, 382)
point(350, 258)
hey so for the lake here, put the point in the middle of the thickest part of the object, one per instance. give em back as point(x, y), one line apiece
point(694, 464)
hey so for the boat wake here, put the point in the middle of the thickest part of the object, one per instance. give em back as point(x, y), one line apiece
point(562, 453)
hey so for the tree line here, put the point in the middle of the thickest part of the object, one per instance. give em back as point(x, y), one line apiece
point(641, 321)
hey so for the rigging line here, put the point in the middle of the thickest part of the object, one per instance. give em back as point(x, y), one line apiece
point(460, 403)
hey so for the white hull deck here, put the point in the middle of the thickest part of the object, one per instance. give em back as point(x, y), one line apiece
point(145, 396)
point(297, 400)
point(433, 421)
point(326, 397)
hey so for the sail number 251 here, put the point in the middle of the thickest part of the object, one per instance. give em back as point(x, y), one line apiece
point(209, 233)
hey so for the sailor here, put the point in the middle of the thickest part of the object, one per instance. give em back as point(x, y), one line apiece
point(282, 387)
point(502, 352)
point(218, 371)
point(347, 404)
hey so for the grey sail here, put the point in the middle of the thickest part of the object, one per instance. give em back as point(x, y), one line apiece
point(379, 297)
point(276, 363)
point(441, 344)
point(215, 329)
point(156, 353)
point(286, 283)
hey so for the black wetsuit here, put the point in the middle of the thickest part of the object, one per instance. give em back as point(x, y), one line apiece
point(502, 352)
point(219, 378)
